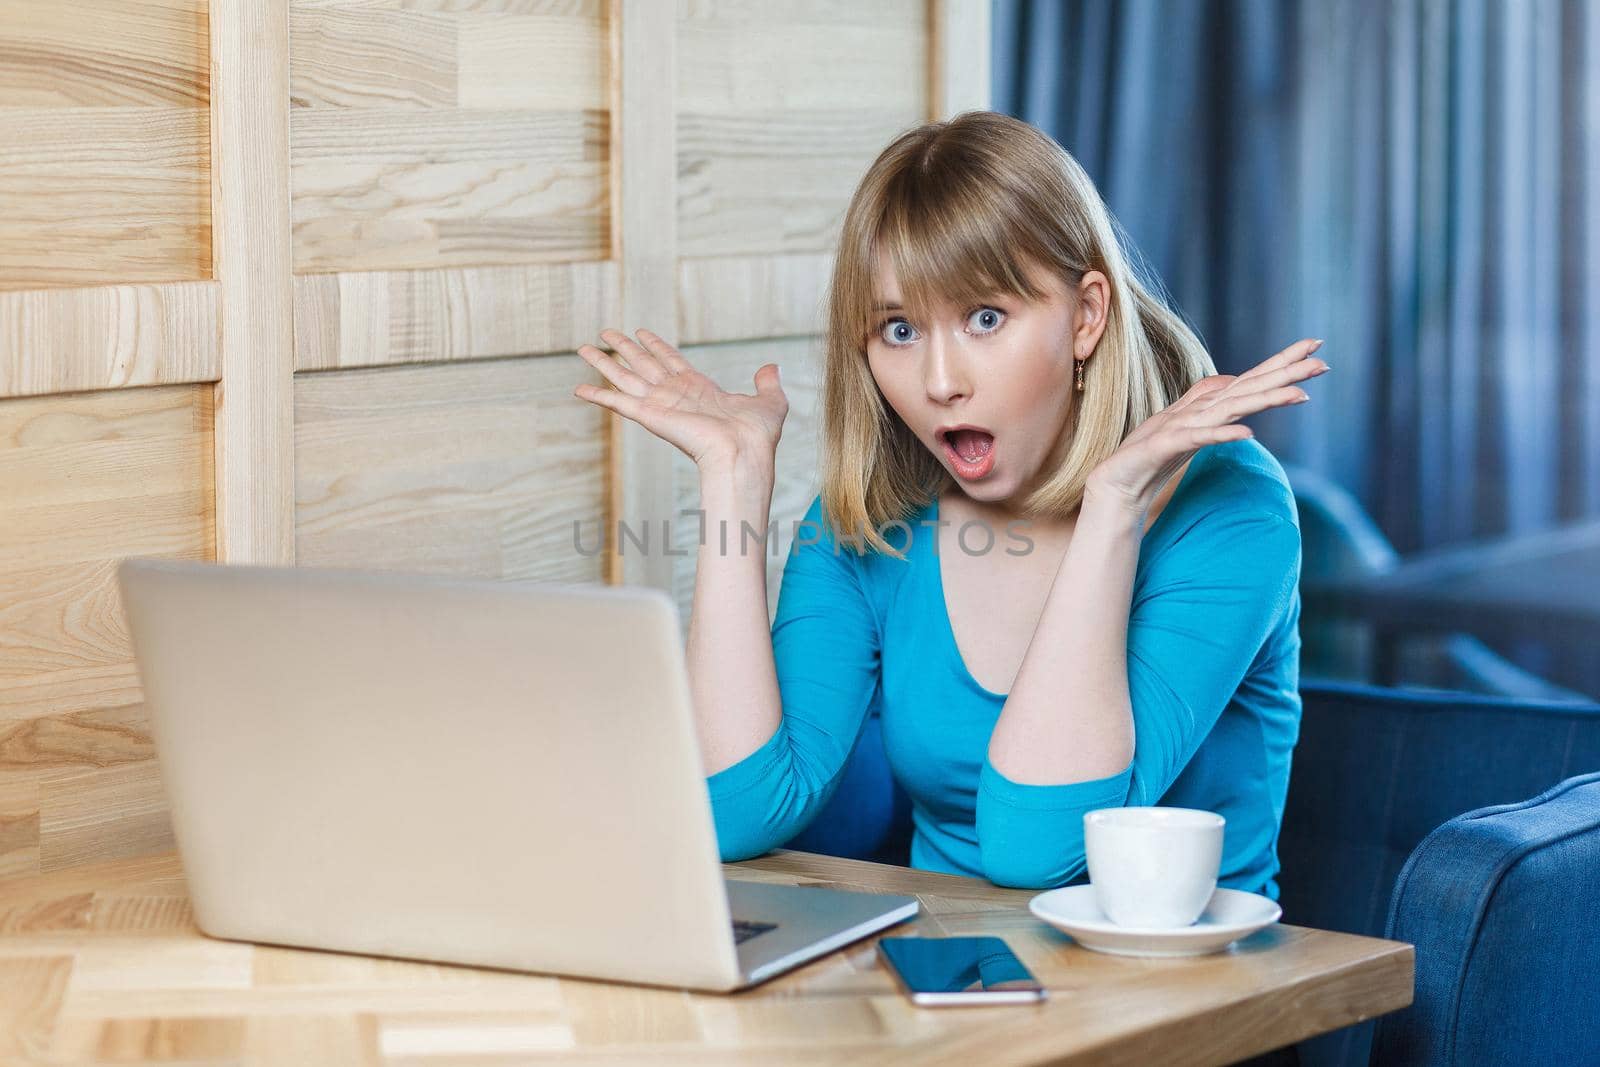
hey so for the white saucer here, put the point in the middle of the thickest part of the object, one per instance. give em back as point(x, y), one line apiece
point(1230, 915)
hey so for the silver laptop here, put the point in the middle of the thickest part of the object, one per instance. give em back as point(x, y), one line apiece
point(491, 773)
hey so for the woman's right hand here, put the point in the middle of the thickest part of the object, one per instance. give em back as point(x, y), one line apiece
point(662, 391)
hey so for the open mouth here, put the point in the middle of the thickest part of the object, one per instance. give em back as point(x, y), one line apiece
point(971, 451)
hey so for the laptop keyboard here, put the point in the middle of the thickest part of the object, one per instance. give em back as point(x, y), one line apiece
point(745, 929)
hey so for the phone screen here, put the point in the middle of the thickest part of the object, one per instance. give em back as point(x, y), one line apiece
point(959, 970)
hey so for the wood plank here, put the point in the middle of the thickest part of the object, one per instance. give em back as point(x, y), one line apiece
point(731, 298)
point(775, 182)
point(474, 468)
point(382, 317)
point(644, 242)
point(103, 195)
point(88, 479)
point(75, 340)
point(390, 190)
point(104, 54)
point(350, 56)
point(104, 144)
point(103, 813)
point(547, 61)
point(254, 416)
point(489, 54)
point(748, 57)
point(448, 134)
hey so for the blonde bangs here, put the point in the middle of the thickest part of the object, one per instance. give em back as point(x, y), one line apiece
point(954, 244)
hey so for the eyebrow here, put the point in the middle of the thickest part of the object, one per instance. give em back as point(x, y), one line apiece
point(887, 307)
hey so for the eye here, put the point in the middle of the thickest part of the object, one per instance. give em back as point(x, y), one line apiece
point(897, 333)
point(986, 319)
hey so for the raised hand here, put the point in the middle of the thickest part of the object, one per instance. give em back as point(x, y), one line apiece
point(1135, 473)
point(660, 390)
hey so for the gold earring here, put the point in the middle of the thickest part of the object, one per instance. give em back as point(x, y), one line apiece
point(1078, 378)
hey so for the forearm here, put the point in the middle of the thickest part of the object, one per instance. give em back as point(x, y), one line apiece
point(732, 679)
point(1069, 716)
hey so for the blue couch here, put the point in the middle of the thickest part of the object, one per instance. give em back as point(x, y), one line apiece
point(1375, 772)
point(1503, 904)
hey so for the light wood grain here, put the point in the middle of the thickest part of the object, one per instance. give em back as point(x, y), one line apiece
point(368, 319)
point(87, 479)
point(76, 340)
point(254, 417)
point(104, 145)
point(756, 56)
point(775, 183)
point(478, 469)
point(103, 963)
point(645, 67)
point(437, 134)
point(780, 110)
point(731, 298)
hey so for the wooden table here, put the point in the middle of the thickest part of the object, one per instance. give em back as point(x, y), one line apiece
point(104, 965)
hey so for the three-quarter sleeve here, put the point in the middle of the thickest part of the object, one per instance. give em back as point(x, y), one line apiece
point(825, 646)
point(1194, 629)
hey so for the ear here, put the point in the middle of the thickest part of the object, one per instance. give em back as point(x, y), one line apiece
point(1093, 296)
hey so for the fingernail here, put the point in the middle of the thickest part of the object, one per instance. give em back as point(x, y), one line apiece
point(1317, 345)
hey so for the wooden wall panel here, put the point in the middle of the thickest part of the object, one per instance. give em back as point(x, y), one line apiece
point(733, 367)
point(87, 480)
point(419, 182)
point(250, 209)
point(644, 240)
point(731, 297)
point(75, 340)
point(781, 108)
point(104, 142)
point(418, 316)
point(434, 133)
point(472, 469)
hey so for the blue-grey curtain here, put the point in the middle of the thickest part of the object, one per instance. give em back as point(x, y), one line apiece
point(1418, 182)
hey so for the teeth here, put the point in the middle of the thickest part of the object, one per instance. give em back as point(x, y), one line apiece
point(972, 447)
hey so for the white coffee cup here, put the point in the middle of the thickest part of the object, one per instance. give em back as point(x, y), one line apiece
point(1153, 868)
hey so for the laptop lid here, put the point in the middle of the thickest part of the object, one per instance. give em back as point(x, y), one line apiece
point(494, 773)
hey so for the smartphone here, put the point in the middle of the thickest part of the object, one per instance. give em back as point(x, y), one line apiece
point(949, 971)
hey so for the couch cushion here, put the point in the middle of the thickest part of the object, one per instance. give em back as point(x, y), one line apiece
point(1376, 770)
point(1503, 905)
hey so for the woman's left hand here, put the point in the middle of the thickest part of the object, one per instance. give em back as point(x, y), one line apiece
point(1133, 475)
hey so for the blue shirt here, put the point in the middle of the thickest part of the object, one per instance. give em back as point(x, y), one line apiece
point(1213, 672)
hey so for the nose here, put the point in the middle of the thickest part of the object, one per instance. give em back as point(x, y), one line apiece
point(944, 372)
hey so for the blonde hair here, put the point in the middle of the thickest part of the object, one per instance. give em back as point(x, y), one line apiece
point(960, 208)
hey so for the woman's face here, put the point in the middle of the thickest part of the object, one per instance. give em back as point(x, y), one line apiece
point(1004, 367)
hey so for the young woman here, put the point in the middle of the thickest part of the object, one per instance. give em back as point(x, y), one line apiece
point(1049, 554)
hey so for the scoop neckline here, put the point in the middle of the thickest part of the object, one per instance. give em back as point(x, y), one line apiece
point(943, 606)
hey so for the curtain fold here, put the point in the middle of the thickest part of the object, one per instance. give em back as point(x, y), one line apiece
point(1414, 181)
